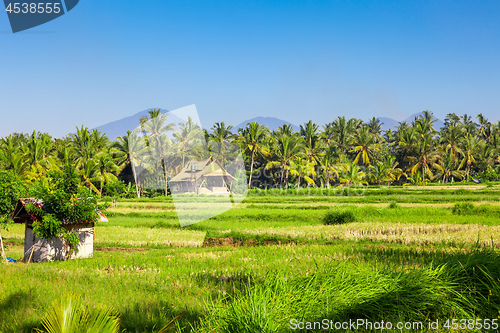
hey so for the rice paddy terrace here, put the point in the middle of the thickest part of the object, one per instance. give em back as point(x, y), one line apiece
point(410, 254)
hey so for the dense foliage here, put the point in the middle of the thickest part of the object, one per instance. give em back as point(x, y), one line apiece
point(347, 152)
point(63, 200)
point(11, 188)
point(339, 216)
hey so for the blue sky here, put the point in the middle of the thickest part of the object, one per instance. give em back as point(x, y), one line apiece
point(295, 60)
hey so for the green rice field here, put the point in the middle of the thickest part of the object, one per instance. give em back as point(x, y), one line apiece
point(410, 254)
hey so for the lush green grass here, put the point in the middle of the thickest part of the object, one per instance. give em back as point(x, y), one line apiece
point(461, 287)
point(405, 261)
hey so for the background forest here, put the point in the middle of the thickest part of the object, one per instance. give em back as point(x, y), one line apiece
point(347, 152)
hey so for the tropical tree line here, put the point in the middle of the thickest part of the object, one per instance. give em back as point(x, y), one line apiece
point(347, 152)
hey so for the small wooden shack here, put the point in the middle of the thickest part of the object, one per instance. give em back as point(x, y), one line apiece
point(202, 177)
point(38, 250)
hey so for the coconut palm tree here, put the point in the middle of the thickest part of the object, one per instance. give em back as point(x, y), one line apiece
point(286, 148)
point(448, 168)
point(189, 142)
point(469, 126)
point(343, 129)
point(132, 149)
point(364, 145)
point(219, 142)
point(105, 170)
point(375, 128)
point(303, 169)
point(385, 171)
point(471, 146)
point(351, 175)
point(312, 143)
point(425, 157)
point(451, 138)
point(253, 139)
point(329, 162)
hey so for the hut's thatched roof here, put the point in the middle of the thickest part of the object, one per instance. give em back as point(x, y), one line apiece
point(194, 170)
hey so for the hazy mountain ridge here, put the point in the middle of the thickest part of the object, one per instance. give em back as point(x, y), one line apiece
point(119, 127)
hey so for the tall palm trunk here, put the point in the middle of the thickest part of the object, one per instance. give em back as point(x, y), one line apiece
point(251, 170)
point(282, 174)
point(165, 175)
point(137, 190)
point(2, 252)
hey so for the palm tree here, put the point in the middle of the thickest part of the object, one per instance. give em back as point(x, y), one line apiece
point(447, 168)
point(303, 170)
point(328, 163)
point(451, 138)
point(219, 142)
point(189, 141)
point(365, 146)
point(386, 171)
point(469, 126)
point(351, 175)
point(37, 153)
point(286, 148)
point(471, 145)
point(375, 128)
point(85, 145)
point(253, 139)
point(312, 145)
point(484, 124)
point(425, 157)
point(132, 149)
point(424, 123)
point(105, 170)
point(451, 119)
point(343, 129)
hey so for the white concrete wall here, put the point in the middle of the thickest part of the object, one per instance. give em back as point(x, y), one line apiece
point(54, 249)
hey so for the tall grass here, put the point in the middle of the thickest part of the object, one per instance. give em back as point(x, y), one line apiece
point(464, 286)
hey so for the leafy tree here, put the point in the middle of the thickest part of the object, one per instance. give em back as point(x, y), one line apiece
point(63, 200)
point(11, 189)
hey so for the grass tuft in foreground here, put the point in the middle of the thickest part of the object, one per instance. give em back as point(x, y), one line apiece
point(464, 286)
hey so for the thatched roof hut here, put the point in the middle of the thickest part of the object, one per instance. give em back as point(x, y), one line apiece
point(202, 177)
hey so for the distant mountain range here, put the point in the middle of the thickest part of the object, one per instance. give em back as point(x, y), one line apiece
point(271, 122)
point(389, 123)
point(119, 127)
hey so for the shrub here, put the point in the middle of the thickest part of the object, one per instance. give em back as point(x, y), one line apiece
point(463, 208)
point(339, 217)
point(63, 199)
point(393, 205)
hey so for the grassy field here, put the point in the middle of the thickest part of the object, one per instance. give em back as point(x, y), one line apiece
point(411, 254)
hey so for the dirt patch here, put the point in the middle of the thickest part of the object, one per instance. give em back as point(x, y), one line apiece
point(119, 249)
point(13, 243)
point(231, 242)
